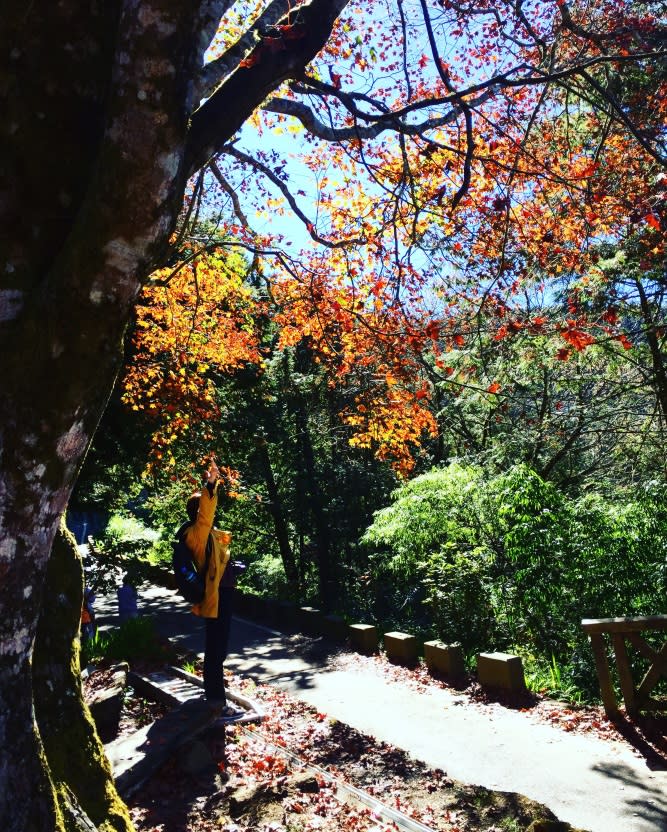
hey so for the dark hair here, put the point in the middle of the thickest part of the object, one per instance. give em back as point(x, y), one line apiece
point(192, 506)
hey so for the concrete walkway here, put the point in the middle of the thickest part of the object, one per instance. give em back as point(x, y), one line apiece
point(598, 785)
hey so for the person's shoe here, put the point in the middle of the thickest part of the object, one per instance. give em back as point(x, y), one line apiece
point(229, 713)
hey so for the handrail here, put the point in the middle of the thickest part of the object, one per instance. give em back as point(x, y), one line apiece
point(621, 631)
point(624, 625)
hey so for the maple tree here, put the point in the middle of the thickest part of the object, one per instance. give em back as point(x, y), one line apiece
point(526, 179)
point(197, 320)
point(111, 109)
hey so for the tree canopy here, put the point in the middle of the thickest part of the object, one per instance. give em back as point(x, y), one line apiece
point(463, 153)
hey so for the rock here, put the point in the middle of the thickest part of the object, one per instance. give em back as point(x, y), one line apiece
point(551, 826)
point(105, 704)
point(197, 759)
point(250, 797)
point(304, 783)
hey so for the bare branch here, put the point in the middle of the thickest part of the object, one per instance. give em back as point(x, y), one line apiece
point(617, 111)
point(462, 105)
point(282, 187)
point(231, 193)
point(327, 133)
point(518, 9)
point(521, 75)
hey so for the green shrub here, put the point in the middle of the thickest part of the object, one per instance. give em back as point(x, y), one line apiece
point(135, 640)
point(430, 544)
point(266, 575)
point(512, 562)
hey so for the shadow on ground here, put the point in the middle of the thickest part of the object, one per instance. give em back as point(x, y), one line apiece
point(648, 735)
point(256, 652)
point(652, 806)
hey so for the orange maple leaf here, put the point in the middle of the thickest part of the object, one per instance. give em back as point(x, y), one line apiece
point(578, 338)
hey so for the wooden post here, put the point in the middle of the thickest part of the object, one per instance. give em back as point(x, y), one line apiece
point(623, 630)
point(602, 667)
point(624, 673)
point(653, 675)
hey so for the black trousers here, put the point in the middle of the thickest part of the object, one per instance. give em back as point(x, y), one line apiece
point(216, 645)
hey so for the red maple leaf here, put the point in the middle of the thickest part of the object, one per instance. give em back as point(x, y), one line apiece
point(578, 338)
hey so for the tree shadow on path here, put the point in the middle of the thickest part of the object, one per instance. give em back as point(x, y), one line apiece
point(651, 805)
point(647, 734)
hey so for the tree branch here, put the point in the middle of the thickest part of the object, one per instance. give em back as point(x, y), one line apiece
point(328, 133)
point(285, 191)
point(216, 71)
point(231, 193)
point(299, 37)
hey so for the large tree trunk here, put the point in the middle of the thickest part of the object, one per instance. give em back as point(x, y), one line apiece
point(80, 771)
point(89, 194)
point(99, 134)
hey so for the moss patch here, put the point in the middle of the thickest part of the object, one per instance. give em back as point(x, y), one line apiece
point(79, 769)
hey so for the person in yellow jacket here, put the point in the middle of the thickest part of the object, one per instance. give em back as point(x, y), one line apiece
point(216, 607)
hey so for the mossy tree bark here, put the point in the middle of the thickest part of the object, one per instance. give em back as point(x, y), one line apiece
point(101, 129)
point(80, 772)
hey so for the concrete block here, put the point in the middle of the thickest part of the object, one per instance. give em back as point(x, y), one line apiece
point(501, 670)
point(310, 620)
point(287, 619)
point(248, 604)
point(241, 602)
point(364, 638)
point(271, 612)
point(402, 648)
point(444, 658)
point(334, 627)
point(258, 607)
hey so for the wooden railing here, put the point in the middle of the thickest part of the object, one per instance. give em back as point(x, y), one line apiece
point(621, 632)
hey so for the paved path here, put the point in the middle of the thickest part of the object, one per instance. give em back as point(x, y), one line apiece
point(597, 785)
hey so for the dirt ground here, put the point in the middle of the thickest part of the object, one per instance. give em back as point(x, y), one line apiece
point(255, 788)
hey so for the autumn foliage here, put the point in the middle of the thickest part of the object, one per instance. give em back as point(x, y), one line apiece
point(191, 324)
point(462, 196)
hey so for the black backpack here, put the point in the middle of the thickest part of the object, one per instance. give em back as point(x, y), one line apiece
point(190, 581)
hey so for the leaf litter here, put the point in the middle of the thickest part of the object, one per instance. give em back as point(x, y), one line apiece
point(249, 786)
point(252, 787)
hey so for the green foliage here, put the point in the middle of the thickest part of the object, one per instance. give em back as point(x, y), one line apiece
point(433, 509)
point(266, 575)
point(431, 538)
point(124, 547)
point(459, 597)
point(135, 640)
point(511, 562)
point(549, 679)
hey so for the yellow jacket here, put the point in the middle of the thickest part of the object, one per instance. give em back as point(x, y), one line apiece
point(196, 537)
